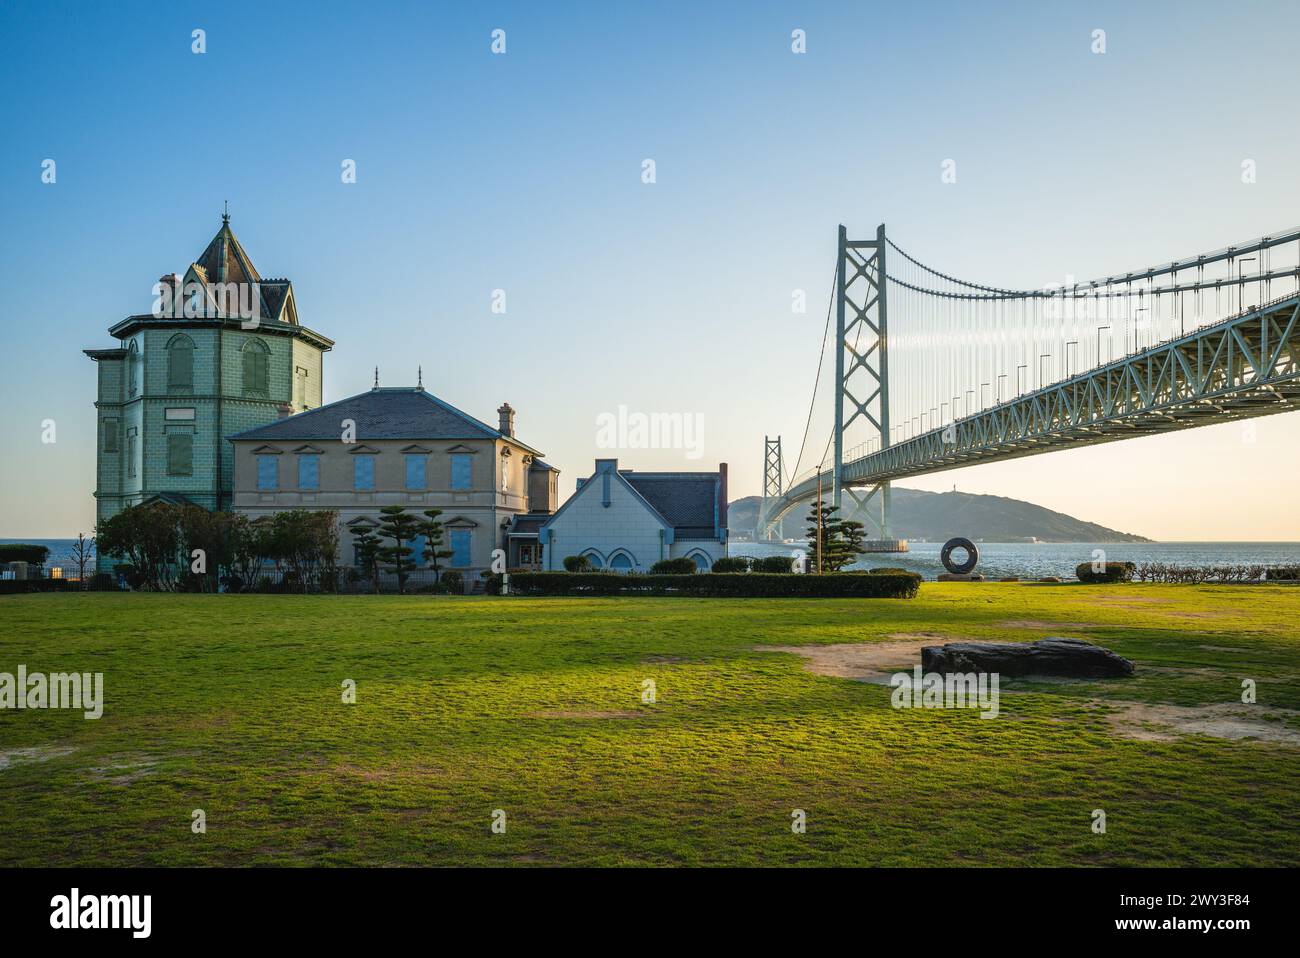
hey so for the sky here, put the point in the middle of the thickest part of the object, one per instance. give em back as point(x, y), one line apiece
point(523, 172)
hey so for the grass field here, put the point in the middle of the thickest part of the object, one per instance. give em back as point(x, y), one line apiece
point(232, 705)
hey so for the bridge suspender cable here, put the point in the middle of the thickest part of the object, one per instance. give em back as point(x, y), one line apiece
point(830, 306)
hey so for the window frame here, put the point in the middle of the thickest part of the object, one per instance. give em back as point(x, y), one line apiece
point(173, 446)
point(410, 459)
point(315, 460)
point(357, 460)
point(460, 535)
point(274, 460)
point(178, 344)
point(465, 460)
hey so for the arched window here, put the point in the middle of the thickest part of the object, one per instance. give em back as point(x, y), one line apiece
point(133, 369)
point(597, 561)
point(702, 563)
point(180, 364)
point(620, 561)
point(257, 365)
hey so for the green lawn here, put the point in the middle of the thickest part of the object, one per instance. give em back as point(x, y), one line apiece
point(232, 704)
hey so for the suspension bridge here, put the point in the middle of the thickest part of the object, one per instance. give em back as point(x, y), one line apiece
point(932, 372)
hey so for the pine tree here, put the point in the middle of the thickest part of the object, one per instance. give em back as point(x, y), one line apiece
point(431, 530)
point(366, 547)
point(841, 539)
point(402, 528)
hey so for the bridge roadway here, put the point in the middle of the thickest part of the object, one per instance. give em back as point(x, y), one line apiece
point(1243, 367)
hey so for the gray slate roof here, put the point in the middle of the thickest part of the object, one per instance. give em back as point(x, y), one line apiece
point(688, 501)
point(404, 412)
point(528, 523)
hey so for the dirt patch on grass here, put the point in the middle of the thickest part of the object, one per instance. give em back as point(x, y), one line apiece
point(564, 714)
point(861, 661)
point(15, 756)
point(124, 769)
point(1234, 722)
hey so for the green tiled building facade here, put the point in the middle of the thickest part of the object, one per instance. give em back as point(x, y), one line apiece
point(221, 353)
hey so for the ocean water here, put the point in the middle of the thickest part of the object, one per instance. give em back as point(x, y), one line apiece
point(1033, 560)
point(60, 552)
point(1025, 560)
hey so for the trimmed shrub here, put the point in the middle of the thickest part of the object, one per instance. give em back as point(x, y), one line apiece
point(773, 565)
point(577, 564)
point(1286, 573)
point(1113, 572)
point(455, 582)
point(887, 570)
point(23, 552)
point(709, 584)
point(731, 564)
point(679, 566)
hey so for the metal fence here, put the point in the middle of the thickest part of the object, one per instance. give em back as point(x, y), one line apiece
point(342, 581)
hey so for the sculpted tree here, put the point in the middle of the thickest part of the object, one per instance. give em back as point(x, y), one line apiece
point(402, 528)
point(841, 540)
point(431, 529)
point(366, 546)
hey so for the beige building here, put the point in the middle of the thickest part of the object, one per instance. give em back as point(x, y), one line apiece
point(403, 446)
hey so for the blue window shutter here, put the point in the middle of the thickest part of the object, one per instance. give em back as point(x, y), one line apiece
point(461, 471)
point(268, 473)
point(363, 466)
point(414, 471)
point(460, 547)
point(309, 471)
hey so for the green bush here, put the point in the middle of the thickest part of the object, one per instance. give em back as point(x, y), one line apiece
point(1113, 572)
point(754, 585)
point(773, 565)
point(886, 570)
point(1285, 573)
point(731, 564)
point(454, 582)
point(577, 564)
point(23, 552)
point(679, 566)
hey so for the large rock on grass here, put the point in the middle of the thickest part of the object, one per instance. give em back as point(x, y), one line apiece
point(1073, 658)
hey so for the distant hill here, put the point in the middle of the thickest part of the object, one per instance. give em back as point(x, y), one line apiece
point(938, 516)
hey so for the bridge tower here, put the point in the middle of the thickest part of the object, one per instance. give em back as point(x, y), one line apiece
point(773, 482)
point(861, 361)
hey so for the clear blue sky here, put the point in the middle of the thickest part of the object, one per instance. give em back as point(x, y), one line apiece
point(522, 172)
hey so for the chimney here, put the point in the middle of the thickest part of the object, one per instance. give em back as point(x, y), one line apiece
point(722, 496)
point(507, 415)
point(283, 410)
point(168, 293)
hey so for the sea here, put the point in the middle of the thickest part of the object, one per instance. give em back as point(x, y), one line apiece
point(1038, 559)
point(997, 559)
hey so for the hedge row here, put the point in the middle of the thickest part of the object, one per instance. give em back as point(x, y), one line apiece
point(755, 585)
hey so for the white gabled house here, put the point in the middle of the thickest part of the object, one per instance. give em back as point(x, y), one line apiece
point(626, 521)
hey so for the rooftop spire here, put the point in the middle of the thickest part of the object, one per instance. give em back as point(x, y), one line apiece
point(376, 377)
point(225, 213)
point(419, 377)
